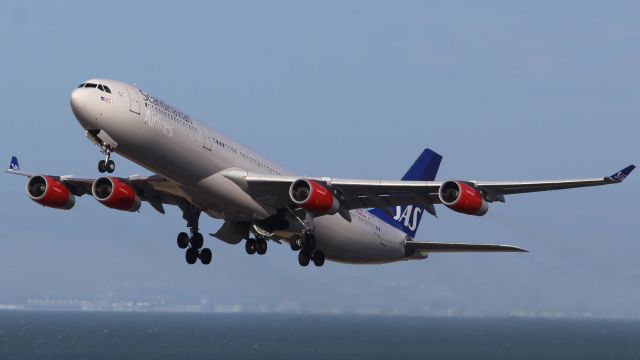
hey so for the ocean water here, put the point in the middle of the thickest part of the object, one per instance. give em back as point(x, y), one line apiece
point(75, 335)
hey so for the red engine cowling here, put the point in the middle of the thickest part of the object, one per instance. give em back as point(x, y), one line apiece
point(313, 197)
point(48, 192)
point(115, 194)
point(462, 198)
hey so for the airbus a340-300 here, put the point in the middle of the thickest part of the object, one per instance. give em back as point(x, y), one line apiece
point(200, 170)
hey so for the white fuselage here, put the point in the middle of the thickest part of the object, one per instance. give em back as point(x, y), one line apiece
point(188, 153)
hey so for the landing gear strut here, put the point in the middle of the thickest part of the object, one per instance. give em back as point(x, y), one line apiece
point(106, 165)
point(193, 243)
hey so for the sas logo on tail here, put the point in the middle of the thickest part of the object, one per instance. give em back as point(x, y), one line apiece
point(620, 176)
point(409, 217)
point(14, 164)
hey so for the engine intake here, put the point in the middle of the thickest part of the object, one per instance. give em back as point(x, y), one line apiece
point(115, 194)
point(462, 198)
point(313, 197)
point(51, 193)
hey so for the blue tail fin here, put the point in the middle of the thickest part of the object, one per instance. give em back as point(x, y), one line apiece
point(13, 165)
point(407, 218)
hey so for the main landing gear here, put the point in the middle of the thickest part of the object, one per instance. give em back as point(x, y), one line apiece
point(193, 243)
point(106, 165)
point(257, 245)
point(194, 248)
point(305, 243)
point(306, 246)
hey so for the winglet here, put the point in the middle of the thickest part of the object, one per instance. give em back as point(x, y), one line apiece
point(622, 174)
point(13, 165)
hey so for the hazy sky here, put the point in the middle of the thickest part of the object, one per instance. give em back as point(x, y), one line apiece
point(503, 90)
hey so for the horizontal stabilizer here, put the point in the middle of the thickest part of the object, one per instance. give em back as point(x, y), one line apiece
point(431, 247)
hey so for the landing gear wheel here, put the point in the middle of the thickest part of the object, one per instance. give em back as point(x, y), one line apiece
point(318, 258)
point(250, 246)
point(205, 256)
point(183, 240)
point(296, 243)
point(197, 241)
point(261, 246)
point(304, 258)
point(110, 166)
point(102, 166)
point(191, 255)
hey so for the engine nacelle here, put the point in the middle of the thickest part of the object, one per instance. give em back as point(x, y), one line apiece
point(313, 197)
point(115, 194)
point(48, 192)
point(462, 198)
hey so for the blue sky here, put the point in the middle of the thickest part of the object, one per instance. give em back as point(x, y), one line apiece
point(504, 91)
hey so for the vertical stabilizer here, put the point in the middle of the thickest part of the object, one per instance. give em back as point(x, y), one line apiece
point(407, 218)
point(13, 165)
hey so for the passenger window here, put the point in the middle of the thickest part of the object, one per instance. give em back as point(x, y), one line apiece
point(106, 88)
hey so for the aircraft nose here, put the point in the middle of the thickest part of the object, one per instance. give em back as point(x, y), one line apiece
point(81, 107)
point(76, 99)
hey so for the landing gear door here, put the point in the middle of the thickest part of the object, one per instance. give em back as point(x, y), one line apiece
point(134, 101)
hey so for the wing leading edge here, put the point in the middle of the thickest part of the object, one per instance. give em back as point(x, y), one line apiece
point(362, 194)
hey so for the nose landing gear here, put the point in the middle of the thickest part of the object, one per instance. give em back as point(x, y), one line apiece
point(106, 165)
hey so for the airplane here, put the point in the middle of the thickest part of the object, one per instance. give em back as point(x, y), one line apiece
point(200, 170)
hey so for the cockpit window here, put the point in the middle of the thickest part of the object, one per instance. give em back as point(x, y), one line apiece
point(100, 87)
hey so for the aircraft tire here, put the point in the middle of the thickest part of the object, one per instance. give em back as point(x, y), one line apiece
point(102, 166)
point(110, 166)
point(261, 246)
point(205, 256)
point(303, 258)
point(296, 243)
point(250, 246)
point(191, 255)
point(183, 240)
point(318, 258)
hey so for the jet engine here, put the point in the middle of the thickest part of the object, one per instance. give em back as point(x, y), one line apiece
point(313, 197)
point(48, 192)
point(115, 194)
point(460, 197)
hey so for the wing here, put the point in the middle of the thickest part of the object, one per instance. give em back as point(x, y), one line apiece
point(358, 194)
point(432, 247)
point(153, 189)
